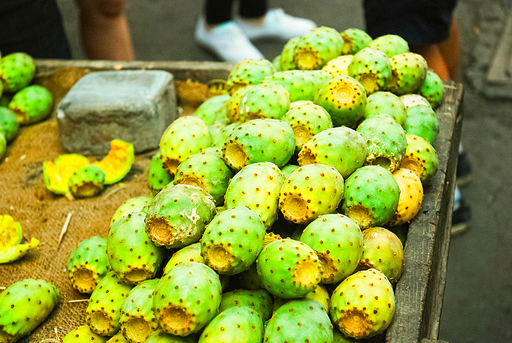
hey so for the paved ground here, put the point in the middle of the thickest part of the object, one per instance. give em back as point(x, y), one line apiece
point(478, 296)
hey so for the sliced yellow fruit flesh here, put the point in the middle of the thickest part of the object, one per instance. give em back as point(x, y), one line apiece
point(10, 232)
point(56, 173)
point(118, 162)
point(16, 252)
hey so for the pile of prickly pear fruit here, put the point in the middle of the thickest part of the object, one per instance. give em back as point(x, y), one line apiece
point(273, 207)
point(20, 102)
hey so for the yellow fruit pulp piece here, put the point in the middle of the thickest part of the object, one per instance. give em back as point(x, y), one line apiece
point(10, 232)
point(56, 173)
point(14, 253)
point(118, 162)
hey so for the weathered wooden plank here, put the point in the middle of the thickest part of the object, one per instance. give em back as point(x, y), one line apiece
point(420, 289)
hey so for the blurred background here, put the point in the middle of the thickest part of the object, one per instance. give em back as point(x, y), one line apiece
point(478, 296)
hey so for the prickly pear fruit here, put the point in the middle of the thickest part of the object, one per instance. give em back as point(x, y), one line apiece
point(131, 205)
point(310, 191)
point(354, 40)
point(158, 176)
point(248, 72)
point(105, 304)
point(190, 253)
point(317, 47)
point(11, 236)
point(206, 170)
point(31, 104)
point(56, 173)
point(9, 124)
point(321, 295)
point(259, 140)
point(372, 68)
point(130, 251)
point(86, 181)
point(422, 121)
point(344, 98)
point(338, 65)
point(371, 196)
point(299, 320)
point(213, 109)
point(277, 62)
point(257, 187)
point(83, 334)
point(117, 338)
point(338, 243)
point(118, 161)
point(240, 323)
point(307, 119)
point(266, 100)
point(287, 62)
point(289, 268)
point(288, 169)
point(178, 215)
point(184, 137)
point(88, 264)
point(385, 141)
point(421, 158)
point(3, 144)
point(250, 279)
point(339, 338)
point(187, 298)
point(390, 44)
point(382, 250)
point(432, 89)
point(16, 71)
point(219, 138)
point(259, 300)
point(411, 100)
point(301, 84)
point(341, 147)
point(409, 71)
point(25, 304)
point(233, 240)
point(388, 103)
point(232, 105)
point(159, 336)
point(137, 317)
point(363, 304)
point(411, 196)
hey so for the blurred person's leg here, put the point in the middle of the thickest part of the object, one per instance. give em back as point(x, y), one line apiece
point(104, 30)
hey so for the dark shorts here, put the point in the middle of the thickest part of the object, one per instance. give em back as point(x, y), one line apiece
point(419, 22)
point(34, 27)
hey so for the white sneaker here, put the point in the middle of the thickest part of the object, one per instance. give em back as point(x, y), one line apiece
point(277, 24)
point(227, 41)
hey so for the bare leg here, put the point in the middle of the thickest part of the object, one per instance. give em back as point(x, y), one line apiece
point(434, 59)
point(104, 30)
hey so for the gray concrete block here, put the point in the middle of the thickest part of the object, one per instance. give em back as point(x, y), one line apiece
point(133, 105)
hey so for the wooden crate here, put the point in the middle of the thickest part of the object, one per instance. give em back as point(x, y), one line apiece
point(419, 293)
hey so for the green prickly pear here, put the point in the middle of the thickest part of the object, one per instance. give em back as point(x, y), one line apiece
point(339, 65)
point(390, 44)
point(105, 304)
point(289, 268)
point(422, 121)
point(307, 119)
point(158, 176)
point(131, 205)
point(341, 147)
point(288, 169)
point(371, 196)
point(137, 319)
point(250, 279)
point(130, 251)
point(9, 124)
point(184, 137)
point(259, 140)
point(344, 98)
point(241, 324)
point(86, 181)
point(213, 109)
point(266, 100)
point(363, 304)
point(411, 196)
point(187, 298)
point(3, 145)
point(233, 240)
point(234, 103)
point(301, 84)
point(315, 48)
point(83, 334)
point(382, 250)
point(24, 305)
point(88, 264)
point(277, 62)
point(354, 40)
point(178, 215)
point(220, 137)
point(388, 103)
point(338, 243)
point(310, 191)
point(299, 320)
point(248, 72)
point(257, 187)
point(159, 336)
point(409, 71)
point(206, 170)
point(421, 158)
point(287, 61)
point(190, 253)
point(259, 300)
point(372, 68)
point(16, 71)
point(411, 100)
point(321, 295)
point(31, 104)
point(432, 89)
point(386, 141)
point(117, 338)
